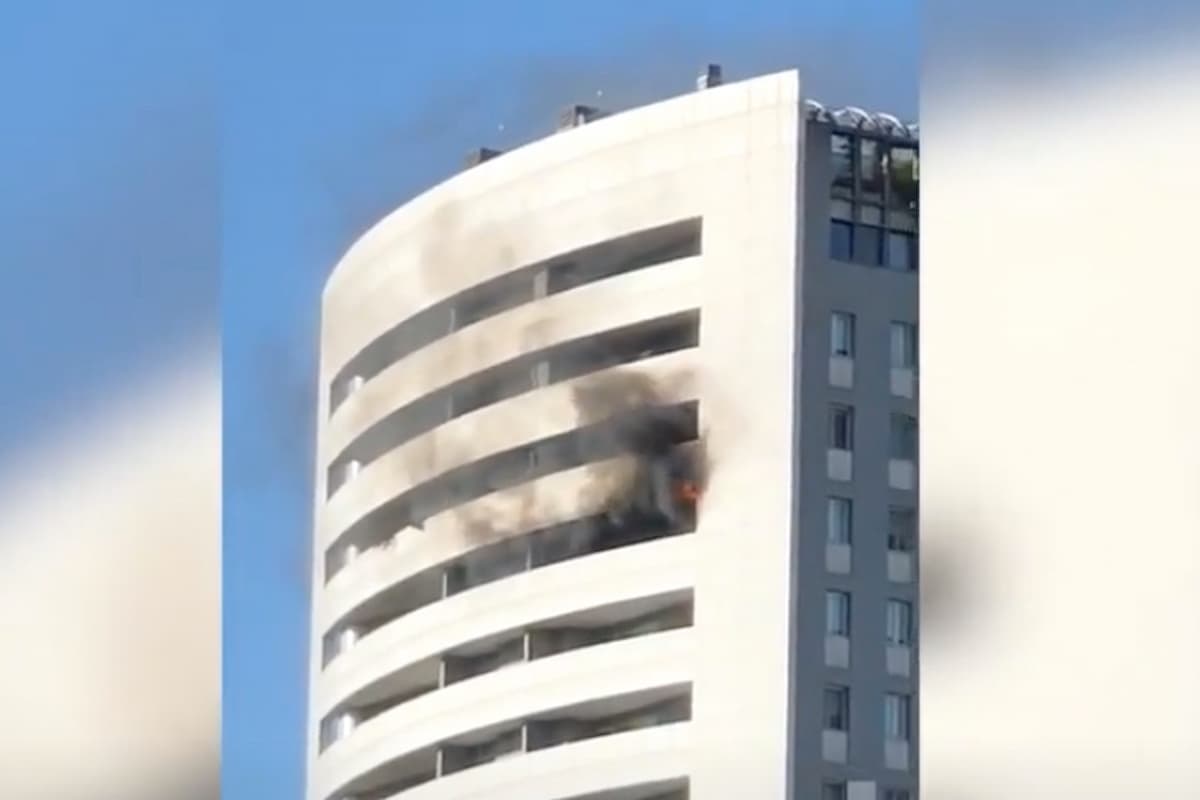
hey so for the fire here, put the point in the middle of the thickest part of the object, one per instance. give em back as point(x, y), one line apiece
point(687, 491)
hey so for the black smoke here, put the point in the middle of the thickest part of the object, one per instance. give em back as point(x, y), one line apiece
point(658, 482)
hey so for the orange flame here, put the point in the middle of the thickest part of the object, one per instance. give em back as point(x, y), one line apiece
point(687, 491)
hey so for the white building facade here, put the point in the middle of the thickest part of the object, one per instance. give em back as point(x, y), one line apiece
point(616, 494)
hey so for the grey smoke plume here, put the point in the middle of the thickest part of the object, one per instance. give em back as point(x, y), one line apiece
point(446, 250)
point(653, 468)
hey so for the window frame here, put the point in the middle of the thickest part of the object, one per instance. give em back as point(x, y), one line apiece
point(836, 188)
point(902, 354)
point(903, 618)
point(838, 613)
point(884, 172)
point(834, 790)
point(904, 437)
point(897, 716)
point(878, 163)
point(848, 411)
point(842, 702)
point(890, 173)
point(847, 522)
point(849, 324)
point(848, 255)
point(857, 246)
point(910, 245)
point(910, 534)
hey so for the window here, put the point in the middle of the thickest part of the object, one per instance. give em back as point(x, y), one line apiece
point(837, 708)
point(901, 251)
point(842, 334)
point(837, 614)
point(902, 530)
point(896, 716)
point(841, 149)
point(336, 727)
point(328, 732)
point(904, 437)
point(868, 245)
point(896, 794)
point(870, 214)
point(902, 178)
point(870, 164)
point(841, 428)
point(904, 345)
point(841, 237)
point(899, 623)
point(839, 520)
point(833, 790)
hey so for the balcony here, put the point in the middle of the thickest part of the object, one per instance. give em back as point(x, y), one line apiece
point(556, 544)
point(484, 749)
point(596, 626)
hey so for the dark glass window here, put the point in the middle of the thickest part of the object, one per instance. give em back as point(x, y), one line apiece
point(870, 166)
point(902, 530)
point(897, 716)
point(839, 520)
point(841, 428)
point(842, 154)
point(904, 345)
point(841, 240)
point(901, 251)
point(902, 178)
point(899, 623)
point(868, 245)
point(841, 334)
point(833, 790)
point(870, 214)
point(837, 708)
point(904, 437)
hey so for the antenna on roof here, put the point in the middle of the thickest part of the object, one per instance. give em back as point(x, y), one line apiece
point(710, 76)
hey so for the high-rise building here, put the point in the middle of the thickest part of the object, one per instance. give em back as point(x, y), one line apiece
point(617, 464)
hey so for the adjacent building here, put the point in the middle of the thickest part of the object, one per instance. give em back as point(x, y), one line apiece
point(616, 492)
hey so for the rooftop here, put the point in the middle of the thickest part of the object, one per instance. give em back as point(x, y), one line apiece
point(846, 117)
point(858, 119)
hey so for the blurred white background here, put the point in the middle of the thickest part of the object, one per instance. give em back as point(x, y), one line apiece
point(1061, 418)
point(110, 598)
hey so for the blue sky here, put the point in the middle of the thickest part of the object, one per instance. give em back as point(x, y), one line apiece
point(335, 113)
point(108, 213)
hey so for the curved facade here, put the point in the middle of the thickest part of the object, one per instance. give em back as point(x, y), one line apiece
point(559, 467)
